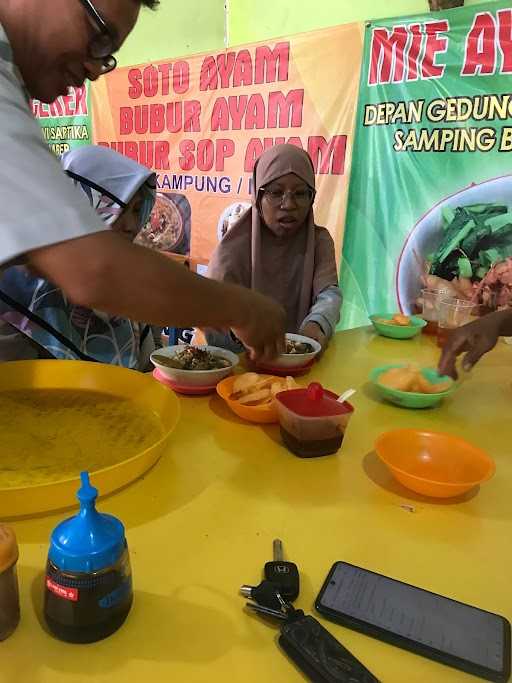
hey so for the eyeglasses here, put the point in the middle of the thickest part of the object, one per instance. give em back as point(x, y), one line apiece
point(104, 42)
point(301, 198)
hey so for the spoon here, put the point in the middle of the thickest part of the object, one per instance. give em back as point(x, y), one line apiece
point(346, 395)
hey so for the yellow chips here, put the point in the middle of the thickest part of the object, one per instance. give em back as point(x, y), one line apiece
point(410, 379)
point(251, 389)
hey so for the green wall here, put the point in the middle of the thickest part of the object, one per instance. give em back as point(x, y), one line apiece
point(250, 21)
point(176, 29)
point(180, 29)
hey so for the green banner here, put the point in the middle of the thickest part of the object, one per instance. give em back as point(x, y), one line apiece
point(431, 185)
point(67, 122)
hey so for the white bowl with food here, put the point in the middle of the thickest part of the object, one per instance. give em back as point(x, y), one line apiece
point(194, 366)
point(301, 351)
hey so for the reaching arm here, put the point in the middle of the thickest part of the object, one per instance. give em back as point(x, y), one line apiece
point(475, 339)
point(64, 240)
point(104, 271)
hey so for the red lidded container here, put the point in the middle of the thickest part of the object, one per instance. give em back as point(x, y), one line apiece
point(312, 421)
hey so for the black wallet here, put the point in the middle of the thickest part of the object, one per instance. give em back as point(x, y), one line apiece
point(319, 655)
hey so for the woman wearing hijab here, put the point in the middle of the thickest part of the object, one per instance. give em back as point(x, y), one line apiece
point(38, 320)
point(277, 249)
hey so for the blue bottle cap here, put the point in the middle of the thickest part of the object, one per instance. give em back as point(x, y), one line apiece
point(90, 541)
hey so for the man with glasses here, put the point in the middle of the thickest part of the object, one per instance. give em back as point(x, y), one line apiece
point(46, 47)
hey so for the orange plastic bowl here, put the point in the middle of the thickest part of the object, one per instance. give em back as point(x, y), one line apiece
point(265, 414)
point(434, 464)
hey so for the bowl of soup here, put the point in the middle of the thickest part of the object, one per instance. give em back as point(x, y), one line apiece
point(300, 353)
point(194, 366)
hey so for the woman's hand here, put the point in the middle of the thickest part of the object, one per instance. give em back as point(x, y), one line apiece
point(314, 331)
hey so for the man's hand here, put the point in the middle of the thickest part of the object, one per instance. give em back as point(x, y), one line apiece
point(314, 331)
point(259, 324)
point(476, 339)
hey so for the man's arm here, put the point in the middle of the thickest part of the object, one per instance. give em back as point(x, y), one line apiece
point(105, 272)
point(52, 223)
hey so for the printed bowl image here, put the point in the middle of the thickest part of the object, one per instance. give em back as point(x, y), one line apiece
point(230, 216)
point(426, 235)
point(169, 225)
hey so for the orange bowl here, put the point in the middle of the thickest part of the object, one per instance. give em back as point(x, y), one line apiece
point(265, 414)
point(434, 464)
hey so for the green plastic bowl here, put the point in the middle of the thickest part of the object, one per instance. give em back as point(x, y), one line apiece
point(407, 399)
point(398, 331)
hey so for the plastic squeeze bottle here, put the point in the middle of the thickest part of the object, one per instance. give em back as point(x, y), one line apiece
point(88, 577)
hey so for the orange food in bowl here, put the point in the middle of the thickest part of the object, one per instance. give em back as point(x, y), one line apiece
point(397, 319)
point(261, 414)
point(432, 463)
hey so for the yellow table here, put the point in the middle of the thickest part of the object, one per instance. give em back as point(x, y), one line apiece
point(202, 522)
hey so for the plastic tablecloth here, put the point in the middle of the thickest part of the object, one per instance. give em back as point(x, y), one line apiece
point(202, 521)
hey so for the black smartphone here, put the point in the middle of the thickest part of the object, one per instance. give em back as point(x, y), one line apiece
point(428, 624)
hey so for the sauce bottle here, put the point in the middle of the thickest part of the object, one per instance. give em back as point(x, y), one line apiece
point(312, 421)
point(88, 592)
point(9, 596)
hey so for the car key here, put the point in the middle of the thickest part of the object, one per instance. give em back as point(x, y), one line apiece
point(265, 594)
point(284, 575)
point(283, 610)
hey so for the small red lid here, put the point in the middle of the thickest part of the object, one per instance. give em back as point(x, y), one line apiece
point(315, 401)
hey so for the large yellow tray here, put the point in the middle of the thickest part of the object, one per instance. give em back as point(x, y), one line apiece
point(156, 401)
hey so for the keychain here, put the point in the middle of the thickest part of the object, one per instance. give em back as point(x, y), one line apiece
point(306, 642)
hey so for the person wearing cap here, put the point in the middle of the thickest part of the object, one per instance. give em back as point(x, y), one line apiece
point(38, 321)
point(46, 47)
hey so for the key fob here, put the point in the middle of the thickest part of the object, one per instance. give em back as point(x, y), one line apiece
point(319, 655)
point(285, 576)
